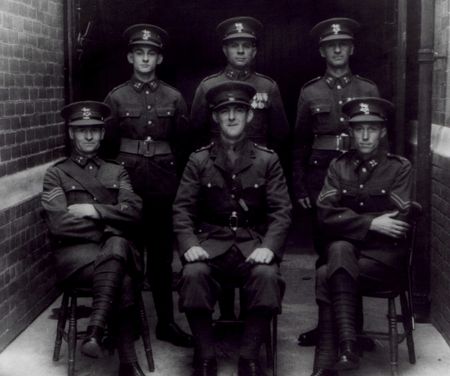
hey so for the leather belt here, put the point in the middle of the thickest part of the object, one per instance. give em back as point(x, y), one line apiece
point(234, 221)
point(338, 142)
point(146, 148)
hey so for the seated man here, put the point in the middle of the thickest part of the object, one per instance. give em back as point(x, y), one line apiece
point(231, 217)
point(90, 209)
point(363, 206)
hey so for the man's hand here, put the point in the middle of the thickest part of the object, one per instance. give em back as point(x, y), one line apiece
point(305, 203)
point(385, 224)
point(84, 211)
point(196, 253)
point(260, 256)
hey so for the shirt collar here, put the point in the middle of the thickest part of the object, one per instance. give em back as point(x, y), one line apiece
point(342, 81)
point(237, 74)
point(82, 161)
point(138, 85)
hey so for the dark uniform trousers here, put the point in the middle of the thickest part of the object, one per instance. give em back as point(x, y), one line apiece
point(149, 126)
point(94, 253)
point(358, 259)
point(317, 136)
point(201, 283)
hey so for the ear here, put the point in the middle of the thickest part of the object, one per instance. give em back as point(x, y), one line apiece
point(383, 132)
point(322, 51)
point(160, 59)
point(352, 49)
point(71, 133)
point(250, 115)
point(130, 57)
point(254, 51)
point(102, 134)
point(225, 50)
point(215, 117)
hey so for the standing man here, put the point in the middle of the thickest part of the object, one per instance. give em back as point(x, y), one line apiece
point(231, 217)
point(321, 130)
point(91, 210)
point(269, 126)
point(363, 206)
point(149, 121)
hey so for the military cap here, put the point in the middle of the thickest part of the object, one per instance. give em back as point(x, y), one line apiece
point(335, 29)
point(367, 109)
point(146, 35)
point(230, 92)
point(239, 27)
point(85, 113)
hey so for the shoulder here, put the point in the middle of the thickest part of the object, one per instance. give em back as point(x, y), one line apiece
point(202, 153)
point(263, 77)
point(211, 77)
point(118, 88)
point(170, 89)
point(263, 149)
point(398, 159)
point(311, 82)
point(365, 80)
point(343, 160)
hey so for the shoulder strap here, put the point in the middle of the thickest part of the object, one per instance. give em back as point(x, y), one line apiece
point(89, 182)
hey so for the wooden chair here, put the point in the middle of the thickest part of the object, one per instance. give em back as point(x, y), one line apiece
point(404, 292)
point(68, 310)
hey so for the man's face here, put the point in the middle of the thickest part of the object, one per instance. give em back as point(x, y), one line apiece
point(232, 120)
point(240, 52)
point(144, 59)
point(367, 136)
point(86, 140)
point(337, 52)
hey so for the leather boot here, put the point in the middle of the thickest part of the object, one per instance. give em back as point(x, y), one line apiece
point(130, 369)
point(92, 344)
point(348, 356)
point(325, 355)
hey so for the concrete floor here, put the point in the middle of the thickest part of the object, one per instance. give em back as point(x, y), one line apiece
point(31, 352)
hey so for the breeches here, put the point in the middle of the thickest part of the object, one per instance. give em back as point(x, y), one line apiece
point(369, 273)
point(201, 283)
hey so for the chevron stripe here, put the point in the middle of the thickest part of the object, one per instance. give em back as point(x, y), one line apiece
point(125, 185)
point(323, 196)
point(402, 204)
point(55, 192)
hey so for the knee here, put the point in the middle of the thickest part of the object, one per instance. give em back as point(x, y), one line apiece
point(267, 273)
point(321, 276)
point(195, 271)
point(340, 247)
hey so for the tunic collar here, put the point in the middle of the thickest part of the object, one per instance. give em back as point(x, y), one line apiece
point(138, 85)
point(237, 74)
point(246, 154)
point(368, 165)
point(338, 82)
point(82, 161)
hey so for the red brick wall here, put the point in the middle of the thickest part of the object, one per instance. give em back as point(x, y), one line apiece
point(31, 134)
point(31, 83)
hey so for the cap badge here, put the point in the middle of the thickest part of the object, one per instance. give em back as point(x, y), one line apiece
point(231, 99)
point(364, 108)
point(86, 113)
point(146, 34)
point(239, 27)
point(336, 28)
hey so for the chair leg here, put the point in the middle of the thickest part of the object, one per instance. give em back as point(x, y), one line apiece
point(62, 318)
point(274, 345)
point(393, 337)
point(72, 340)
point(408, 328)
point(145, 332)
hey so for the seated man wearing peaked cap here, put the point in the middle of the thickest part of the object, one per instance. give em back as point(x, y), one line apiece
point(90, 209)
point(363, 208)
point(231, 216)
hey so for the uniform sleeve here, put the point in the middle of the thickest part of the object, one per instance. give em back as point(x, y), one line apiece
point(279, 208)
point(200, 118)
point(338, 220)
point(185, 207)
point(61, 223)
point(278, 125)
point(303, 139)
point(182, 136)
point(128, 209)
point(401, 191)
point(111, 143)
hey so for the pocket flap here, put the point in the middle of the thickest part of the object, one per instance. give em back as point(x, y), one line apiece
point(320, 108)
point(130, 112)
point(165, 111)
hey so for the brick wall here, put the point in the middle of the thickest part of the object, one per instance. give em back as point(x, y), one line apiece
point(31, 83)
point(31, 94)
point(440, 186)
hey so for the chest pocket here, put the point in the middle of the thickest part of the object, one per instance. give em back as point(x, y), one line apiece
point(165, 112)
point(129, 113)
point(320, 112)
point(378, 199)
point(76, 194)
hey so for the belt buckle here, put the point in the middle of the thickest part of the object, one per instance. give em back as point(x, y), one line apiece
point(233, 221)
point(149, 147)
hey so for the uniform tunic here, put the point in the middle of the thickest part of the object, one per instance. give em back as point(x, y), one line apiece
point(269, 126)
point(355, 192)
point(79, 241)
point(319, 113)
point(210, 192)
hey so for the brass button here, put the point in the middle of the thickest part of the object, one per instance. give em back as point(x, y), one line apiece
point(256, 185)
point(339, 87)
point(208, 185)
point(147, 92)
point(149, 107)
point(383, 191)
point(361, 203)
point(149, 122)
point(233, 176)
point(361, 186)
